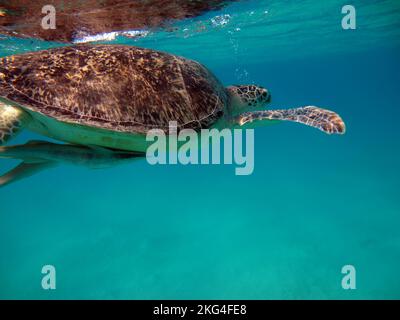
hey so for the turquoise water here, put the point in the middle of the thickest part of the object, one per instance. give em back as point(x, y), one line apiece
point(313, 204)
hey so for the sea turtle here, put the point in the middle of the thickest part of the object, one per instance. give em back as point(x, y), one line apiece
point(111, 95)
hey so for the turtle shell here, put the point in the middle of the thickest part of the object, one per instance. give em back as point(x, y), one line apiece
point(114, 87)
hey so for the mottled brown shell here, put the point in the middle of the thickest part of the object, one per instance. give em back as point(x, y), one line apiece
point(120, 88)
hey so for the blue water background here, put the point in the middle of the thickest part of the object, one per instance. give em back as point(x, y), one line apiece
point(313, 204)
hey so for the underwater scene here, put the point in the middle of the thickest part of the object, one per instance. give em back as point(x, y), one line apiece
point(316, 209)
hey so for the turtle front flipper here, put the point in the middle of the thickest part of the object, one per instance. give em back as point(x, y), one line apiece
point(12, 120)
point(322, 119)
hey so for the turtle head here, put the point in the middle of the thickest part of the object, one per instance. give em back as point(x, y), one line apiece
point(245, 98)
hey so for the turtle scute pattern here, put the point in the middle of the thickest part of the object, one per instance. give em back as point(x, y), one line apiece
point(121, 88)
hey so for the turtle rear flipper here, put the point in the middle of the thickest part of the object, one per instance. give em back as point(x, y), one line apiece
point(322, 119)
point(12, 120)
point(24, 170)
